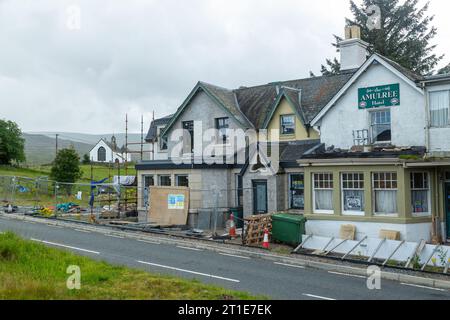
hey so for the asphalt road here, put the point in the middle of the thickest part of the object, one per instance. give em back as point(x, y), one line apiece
point(257, 276)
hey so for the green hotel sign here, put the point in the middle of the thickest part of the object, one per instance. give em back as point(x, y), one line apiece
point(381, 96)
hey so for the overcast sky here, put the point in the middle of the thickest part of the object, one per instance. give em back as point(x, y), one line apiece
point(59, 73)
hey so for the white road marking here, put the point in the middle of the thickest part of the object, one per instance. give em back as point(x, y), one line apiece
point(149, 242)
point(113, 236)
point(319, 297)
point(234, 256)
point(84, 231)
point(64, 246)
point(187, 248)
point(189, 271)
point(347, 275)
point(289, 265)
point(53, 226)
point(422, 287)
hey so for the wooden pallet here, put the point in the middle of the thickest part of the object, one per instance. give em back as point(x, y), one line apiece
point(255, 227)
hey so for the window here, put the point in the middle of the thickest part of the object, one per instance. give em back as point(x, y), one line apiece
point(420, 193)
point(148, 182)
point(288, 124)
point(447, 175)
point(163, 146)
point(297, 191)
point(182, 181)
point(440, 108)
point(188, 137)
point(222, 126)
point(353, 193)
point(385, 189)
point(380, 126)
point(101, 154)
point(165, 181)
point(323, 193)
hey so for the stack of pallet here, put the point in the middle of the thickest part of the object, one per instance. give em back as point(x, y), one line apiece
point(255, 227)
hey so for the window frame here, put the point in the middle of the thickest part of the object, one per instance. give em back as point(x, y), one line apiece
point(430, 114)
point(177, 183)
point(223, 138)
point(191, 131)
point(428, 189)
point(371, 125)
point(104, 152)
point(291, 189)
point(162, 140)
point(319, 211)
point(374, 190)
point(353, 213)
point(144, 186)
point(162, 176)
point(282, 125)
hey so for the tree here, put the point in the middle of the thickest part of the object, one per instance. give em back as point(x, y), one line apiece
point(12, 143)
point(86, 159)
point(66, 167)
point(445, 70)
point(404, 36)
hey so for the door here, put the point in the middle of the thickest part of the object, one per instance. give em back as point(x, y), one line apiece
point(447, 208)
point(260, 197)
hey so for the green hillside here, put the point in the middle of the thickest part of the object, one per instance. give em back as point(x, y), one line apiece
point(40, 149)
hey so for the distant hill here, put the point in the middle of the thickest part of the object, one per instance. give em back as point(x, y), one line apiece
point(40, 146)
point(40, 149)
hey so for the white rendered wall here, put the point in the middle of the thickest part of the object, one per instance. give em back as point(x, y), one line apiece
point(408, 119)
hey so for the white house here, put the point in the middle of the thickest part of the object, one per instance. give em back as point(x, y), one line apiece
point(108, 152)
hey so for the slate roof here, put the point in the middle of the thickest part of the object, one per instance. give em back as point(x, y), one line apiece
point(152, 134)
point(408, 73)
point(379, 152)
point(316, 92)
point(292, 151)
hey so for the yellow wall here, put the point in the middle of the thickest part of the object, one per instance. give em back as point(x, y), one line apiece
point(284, 108)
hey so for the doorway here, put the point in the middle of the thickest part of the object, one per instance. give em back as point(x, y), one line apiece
point(260, 197)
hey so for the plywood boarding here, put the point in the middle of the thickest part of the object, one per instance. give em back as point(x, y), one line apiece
point(169, 206)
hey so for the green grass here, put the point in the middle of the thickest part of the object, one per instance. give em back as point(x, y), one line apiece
point(30, 271)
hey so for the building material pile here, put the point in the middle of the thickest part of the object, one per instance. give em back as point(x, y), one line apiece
point(255, 227)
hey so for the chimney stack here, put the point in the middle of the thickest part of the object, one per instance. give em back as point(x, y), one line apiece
point(353, 49)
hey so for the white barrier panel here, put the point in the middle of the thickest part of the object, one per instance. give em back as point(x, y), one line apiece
point(369, 247)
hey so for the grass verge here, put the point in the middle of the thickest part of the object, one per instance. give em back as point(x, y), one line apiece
point(31, 271)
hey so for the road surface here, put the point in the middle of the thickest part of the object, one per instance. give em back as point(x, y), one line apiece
point(257, 276)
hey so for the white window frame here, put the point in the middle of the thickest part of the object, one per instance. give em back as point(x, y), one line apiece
point(281, 124)
point(422, 214)
point(372, 111)
point(315, 210)
point(374, 198)
point(429, 104)
point(352, 213)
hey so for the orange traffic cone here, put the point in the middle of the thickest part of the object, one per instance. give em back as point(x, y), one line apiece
point(232, 226)
point(266, 239)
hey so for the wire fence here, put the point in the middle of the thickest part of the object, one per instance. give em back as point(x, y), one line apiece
point(41, 196)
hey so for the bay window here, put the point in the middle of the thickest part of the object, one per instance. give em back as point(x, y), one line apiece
point(385, 186)
point(420, 193)
point(440, 108)
point(323, 193)
point(297, 191)
point(353, 193)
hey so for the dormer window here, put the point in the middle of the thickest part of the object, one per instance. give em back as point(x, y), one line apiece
point(163, 146)
point(288, 124)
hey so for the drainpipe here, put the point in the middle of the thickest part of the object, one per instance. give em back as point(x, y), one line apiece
point(427, 119)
